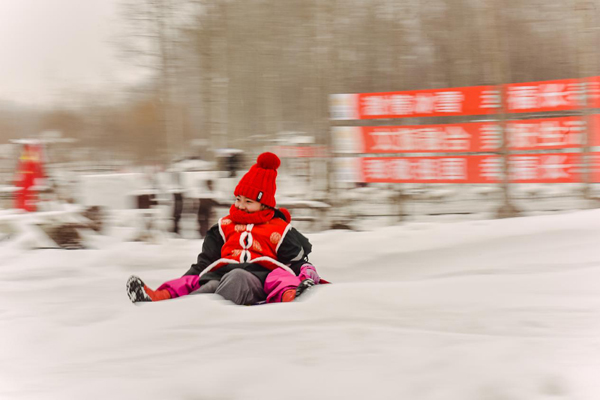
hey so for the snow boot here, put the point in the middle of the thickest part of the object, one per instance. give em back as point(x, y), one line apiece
point(138, 291)
point(135, 290)
point(292, 294)
point(288, 295)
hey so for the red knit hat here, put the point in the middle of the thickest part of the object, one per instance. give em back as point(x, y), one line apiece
point(259, 183)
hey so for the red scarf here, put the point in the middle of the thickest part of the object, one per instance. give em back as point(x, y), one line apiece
point(260, 217)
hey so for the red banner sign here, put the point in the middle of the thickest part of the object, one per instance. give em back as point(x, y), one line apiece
point(417, 103)
point(595, 167)
point(560, 95)
point(523, 168)
point(417, 139)
point(534, 134)
point(595, 131)
point(548, 133)
point(545, 168)
point(529, 97)
point(593, 91)
point(419, 169)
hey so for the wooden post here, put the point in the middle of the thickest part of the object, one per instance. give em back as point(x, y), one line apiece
point(501, 74)
point(587, 68)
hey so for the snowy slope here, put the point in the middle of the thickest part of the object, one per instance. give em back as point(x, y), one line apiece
point(485, 310)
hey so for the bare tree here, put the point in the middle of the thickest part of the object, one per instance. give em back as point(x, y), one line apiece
point(152, 34)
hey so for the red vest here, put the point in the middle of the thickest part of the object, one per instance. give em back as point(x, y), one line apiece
point(255, 243)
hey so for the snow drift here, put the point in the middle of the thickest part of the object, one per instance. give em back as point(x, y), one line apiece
point(478, 310)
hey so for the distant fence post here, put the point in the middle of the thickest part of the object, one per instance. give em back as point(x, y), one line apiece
point(589, 159)
point(507, 209)
point(589, 95)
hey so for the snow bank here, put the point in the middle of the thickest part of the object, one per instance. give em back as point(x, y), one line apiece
point(502, 309)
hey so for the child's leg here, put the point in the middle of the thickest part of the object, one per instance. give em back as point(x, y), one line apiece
point(208, 287)
point(279, 282)
point(181, 286)
point(241, 287)
point(138, 291)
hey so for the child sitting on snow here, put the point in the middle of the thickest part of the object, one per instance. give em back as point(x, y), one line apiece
point(251, 255)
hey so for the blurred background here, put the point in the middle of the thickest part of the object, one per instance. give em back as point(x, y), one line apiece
point(406, 129)
point(185, 92)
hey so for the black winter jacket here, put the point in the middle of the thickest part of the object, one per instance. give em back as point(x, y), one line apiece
point(293, 251)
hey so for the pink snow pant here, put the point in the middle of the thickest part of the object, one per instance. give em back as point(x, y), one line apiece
point(279, 280)
point(181, 286)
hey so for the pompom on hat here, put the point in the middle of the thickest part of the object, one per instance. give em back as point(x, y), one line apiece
point(259, 182)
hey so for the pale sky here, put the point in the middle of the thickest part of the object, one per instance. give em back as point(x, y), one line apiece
point(49, 48)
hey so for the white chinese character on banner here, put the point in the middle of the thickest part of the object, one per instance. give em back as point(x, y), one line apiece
point(523, 168)
point(490, 99)
point(428, 168)
point(382, 141)
point(551, 134)
point(593, 92)
point(418, 139)
point(430, 138)
point(553, 167)
point(595, 167)
point(491, 168)
point(424, 103)
point(375, 105)
point(522, 135)
point(491, 137)
point(454, 168)
point(522, 97)
point(402, 104)
point(574, 132)
point(401, 169)
point(576, 93)
point(407, 139)
point(457, 139)
point(553, 95)
point(396, 138)
point(376, 169)
point(449, 102)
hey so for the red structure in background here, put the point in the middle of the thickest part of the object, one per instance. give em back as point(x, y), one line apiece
point(29, 168)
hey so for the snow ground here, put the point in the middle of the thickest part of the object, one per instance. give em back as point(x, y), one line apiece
point(475, 310)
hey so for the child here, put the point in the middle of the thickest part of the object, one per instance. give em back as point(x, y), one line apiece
point(251, 255)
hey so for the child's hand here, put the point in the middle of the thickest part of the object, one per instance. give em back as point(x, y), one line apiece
point(308, 271)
